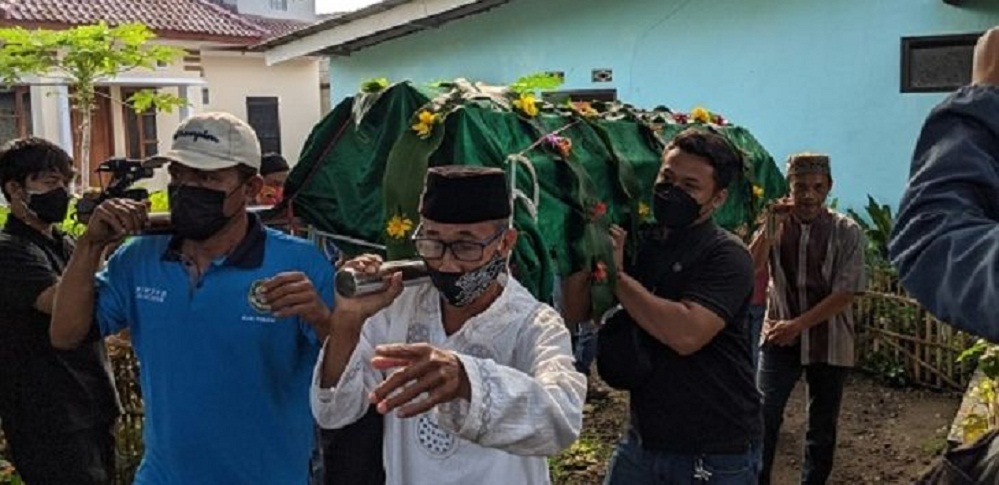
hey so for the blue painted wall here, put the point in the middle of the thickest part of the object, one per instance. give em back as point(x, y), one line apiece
point(800, 74)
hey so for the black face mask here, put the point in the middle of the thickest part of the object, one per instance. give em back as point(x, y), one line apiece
point(51, 206)
point(674, 207)
point(197, 213)
point(460, 289)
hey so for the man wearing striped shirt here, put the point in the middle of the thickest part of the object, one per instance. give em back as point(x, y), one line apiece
point(816, 261)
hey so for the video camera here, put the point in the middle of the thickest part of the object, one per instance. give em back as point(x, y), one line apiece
point(124, 172)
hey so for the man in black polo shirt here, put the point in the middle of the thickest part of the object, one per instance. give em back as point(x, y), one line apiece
point(685, 356)
point(58, 407)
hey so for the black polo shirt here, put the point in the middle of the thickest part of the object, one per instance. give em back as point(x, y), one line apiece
point(706, 402)
point(42, 389)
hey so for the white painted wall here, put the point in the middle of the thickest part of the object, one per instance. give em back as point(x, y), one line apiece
point(297, 9)
point(233, 77)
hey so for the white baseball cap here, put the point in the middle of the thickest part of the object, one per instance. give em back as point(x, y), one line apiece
point(213, 141)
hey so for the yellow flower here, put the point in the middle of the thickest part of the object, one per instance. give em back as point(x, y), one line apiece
point(585, 109)
point(398, 226)
point(643, 210)
point(527, 105)
point(700, 114)
point(425, 123)
point(757, 192)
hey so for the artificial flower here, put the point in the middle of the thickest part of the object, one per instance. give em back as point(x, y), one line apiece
point(425, 123)
point(560, 144)
point(585, 109)
point(757, 192)
point(701, 115)
point(681, 118)
point(527, 105)
point(398, 226)
point(599, 210)
point(644, 211)
point(720, 120)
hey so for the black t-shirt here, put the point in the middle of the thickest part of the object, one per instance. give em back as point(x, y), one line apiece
point(43, 389)
point(706, 402)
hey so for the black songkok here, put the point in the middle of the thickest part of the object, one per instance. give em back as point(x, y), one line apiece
point(462, 194)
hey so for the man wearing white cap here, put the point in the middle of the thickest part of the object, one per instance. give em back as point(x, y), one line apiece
point(224, 316)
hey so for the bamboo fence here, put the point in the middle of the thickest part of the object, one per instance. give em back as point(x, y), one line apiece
point(892, 327)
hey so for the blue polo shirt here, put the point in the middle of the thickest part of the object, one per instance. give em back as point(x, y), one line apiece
point(225, 384)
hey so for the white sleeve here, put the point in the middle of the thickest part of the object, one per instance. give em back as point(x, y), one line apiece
point(347, 402)
point(533, 413)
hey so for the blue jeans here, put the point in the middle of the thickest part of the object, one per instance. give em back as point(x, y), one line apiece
point(634, 465)
point(756, 315)
point(584, 346)
point(780, 369)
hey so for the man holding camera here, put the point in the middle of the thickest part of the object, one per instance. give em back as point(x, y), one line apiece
point(473, 374)
point(58, 408)
point(224, 316)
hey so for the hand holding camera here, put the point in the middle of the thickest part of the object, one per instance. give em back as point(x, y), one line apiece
point(115, 219)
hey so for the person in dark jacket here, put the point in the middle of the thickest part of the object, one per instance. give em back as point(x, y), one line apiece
point(58, 407)
point(945, 243)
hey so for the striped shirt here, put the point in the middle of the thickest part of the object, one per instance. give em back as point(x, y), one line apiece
point(808, 263)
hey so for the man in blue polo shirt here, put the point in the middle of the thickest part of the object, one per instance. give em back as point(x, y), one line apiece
point(223, 315)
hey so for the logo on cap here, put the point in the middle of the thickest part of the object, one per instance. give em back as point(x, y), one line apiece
point(196, 135)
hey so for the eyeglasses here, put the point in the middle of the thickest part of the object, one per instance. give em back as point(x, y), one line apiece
point(467, 251)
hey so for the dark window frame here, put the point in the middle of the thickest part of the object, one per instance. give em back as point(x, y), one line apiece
point(908, 44)
point(21, 118)
point(608, 95)
point(147, 147)
point(268, 142)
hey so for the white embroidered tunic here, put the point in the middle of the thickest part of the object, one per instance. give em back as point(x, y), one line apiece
point(526, 402)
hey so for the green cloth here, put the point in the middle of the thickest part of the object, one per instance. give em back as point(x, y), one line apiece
point(375, 169)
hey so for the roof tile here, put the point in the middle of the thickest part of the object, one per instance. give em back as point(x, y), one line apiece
point(166, 17)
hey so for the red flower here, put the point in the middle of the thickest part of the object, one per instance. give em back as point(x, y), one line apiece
point(600, 272)
point(599, 210)
point(681, 118)
point(720, 120)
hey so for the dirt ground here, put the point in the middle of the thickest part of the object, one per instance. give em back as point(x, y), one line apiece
point(887, 436)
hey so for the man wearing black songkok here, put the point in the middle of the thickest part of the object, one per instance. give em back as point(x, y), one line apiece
point(473, 374)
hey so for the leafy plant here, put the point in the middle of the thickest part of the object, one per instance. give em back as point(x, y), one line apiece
point(539, 81)
point(83, 56)
point(886, 368)
point(9, 476)
point(877, 226)
point(374, 85)
point(584, 454)
point(986, 390)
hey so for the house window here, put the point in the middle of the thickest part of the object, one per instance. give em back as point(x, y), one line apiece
point(140, 129)
point(15, 113)
point(281, 5)
point(934, 64)
point(581, 95)
point(262, 115)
